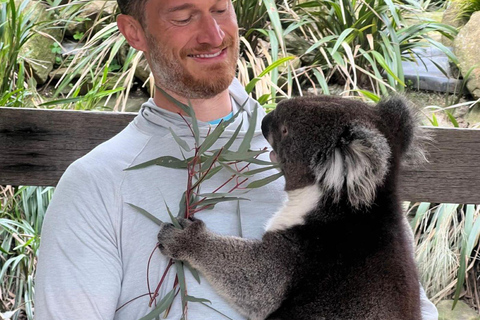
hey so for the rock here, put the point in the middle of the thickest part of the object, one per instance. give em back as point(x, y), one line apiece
point(38, 49)
point(88, 13)
point(451, 17)
point(461, 312)
point(466, 46)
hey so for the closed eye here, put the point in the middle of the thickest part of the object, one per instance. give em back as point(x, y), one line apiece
point(182, 22)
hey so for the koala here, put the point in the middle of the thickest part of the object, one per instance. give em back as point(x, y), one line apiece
point(339, 248)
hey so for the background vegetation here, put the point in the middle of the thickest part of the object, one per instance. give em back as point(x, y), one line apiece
point(288, 47)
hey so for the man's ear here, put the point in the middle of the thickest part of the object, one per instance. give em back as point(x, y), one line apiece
point(133, 32)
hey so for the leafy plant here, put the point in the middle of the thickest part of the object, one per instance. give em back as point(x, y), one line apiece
point(467, 8)
point(20, 227)
point(91, 100)
point(16, 27)
point(359, 43)
point(447, 241)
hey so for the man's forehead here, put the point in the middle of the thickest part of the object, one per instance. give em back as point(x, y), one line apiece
point(178, 5)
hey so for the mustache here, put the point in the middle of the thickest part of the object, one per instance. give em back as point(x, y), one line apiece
point(205, 47)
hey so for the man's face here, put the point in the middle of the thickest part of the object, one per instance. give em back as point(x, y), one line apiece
point(192, 45)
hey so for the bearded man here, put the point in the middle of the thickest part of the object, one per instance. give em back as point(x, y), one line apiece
point(95, 246)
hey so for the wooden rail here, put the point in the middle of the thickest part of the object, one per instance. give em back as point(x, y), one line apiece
point(36, 146)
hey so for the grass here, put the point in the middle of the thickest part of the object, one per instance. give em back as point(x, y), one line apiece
point(21, 217)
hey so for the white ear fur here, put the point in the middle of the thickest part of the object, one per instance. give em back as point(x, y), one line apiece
point(359, 164)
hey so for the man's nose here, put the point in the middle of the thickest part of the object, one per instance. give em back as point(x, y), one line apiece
point(210, 32)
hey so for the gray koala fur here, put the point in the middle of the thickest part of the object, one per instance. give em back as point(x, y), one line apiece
point(340, 247)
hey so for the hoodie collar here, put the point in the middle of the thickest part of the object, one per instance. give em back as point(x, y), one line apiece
point(157, 116)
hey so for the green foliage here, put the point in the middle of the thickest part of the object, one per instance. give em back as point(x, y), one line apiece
point(91, 100)
point(362, 42)
point(447, 236)
point(16, 27)
point(21, 218)
point(467, 8)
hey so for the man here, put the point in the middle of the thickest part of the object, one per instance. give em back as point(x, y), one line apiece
point(95, 245)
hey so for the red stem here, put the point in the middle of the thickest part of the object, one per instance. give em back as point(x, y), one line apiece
point(170, 263)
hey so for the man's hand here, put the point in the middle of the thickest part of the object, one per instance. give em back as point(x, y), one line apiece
point(180, 244)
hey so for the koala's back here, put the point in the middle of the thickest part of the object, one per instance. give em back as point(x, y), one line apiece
point(360, 266)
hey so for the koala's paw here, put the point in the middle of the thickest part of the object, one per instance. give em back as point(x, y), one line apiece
point(180, 244)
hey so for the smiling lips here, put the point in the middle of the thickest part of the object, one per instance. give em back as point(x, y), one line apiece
point(206, 56)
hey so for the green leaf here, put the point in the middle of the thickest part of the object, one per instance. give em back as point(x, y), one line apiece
point(194, 299)
point(207, 176)
point(166, 161)
point(452, 119)
point(182, 143)
point(242, 155)
point(239, 217)
point(181, 282)
point(251, 85)
point(161, 306)
point(214, 201)
point(146, 214)
point(272, 11)
point(233, 138)
point(216, 195)
point(193, 271)
point(264, 181)
point(209, 160)
point(174, 220)
point(259, 170)
point(341, 38)
point(187, 109)
point(421, 211)
point(370, 95)
point(212, 138)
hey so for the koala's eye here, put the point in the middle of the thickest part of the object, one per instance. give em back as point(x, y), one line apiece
point(284, 131)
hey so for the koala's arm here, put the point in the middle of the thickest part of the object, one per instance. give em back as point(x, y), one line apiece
point(252, 274)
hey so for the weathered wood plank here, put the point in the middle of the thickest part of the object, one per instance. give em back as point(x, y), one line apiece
point(452, 174)
point(36, 146)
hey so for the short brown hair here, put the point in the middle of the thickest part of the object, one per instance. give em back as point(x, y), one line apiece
point(134, 8)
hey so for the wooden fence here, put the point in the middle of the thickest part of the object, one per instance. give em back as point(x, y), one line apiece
point(36, 146)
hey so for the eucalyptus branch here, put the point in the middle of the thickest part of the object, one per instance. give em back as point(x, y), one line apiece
point(203, 165)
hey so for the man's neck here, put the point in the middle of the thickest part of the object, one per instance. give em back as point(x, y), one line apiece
point(205, 109)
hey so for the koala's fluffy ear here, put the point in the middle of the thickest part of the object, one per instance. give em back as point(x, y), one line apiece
point(355, 167)
point(403, 122)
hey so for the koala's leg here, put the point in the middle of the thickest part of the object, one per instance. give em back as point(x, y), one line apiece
point(252, 274)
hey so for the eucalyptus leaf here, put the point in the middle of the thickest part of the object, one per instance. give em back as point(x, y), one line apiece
point(182, 143)
point(146, 214)
point(193, 271)
point(264, 181)
point(194, 299)
point(218, 195)
point(232, 139)
point(214, 201)
point(174, 220)
point(181, 282)
point(245, 145)
point(241, 155)
point(239, 217)
point(161, 306)
point(210, 161)
point(165, 161)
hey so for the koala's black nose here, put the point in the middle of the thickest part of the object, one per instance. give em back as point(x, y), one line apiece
point(266, 125)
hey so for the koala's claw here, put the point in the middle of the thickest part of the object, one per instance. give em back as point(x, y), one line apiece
point(179, 243)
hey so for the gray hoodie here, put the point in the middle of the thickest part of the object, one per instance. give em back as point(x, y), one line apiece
point(95, 247)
